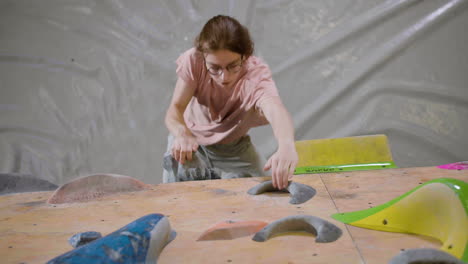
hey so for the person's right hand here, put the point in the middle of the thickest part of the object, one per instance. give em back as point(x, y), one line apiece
point(183, 147)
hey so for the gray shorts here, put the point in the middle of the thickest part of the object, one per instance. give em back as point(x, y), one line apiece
point(219, 161)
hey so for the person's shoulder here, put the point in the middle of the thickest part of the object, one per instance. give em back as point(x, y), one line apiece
point(257, 68)
point(255, 61)
point(190, 59)
point(192, 54)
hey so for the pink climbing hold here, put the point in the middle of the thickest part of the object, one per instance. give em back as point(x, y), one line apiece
point(462, 165)
point(90, 187)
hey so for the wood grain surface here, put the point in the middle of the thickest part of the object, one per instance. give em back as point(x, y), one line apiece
point(32, 231)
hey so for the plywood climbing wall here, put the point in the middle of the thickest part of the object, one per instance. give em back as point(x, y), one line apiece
point(32, 231)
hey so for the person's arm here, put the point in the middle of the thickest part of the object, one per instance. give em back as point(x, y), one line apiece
point(184, 141)
point(283, 162)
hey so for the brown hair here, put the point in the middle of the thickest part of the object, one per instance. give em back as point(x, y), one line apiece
point(224, 32)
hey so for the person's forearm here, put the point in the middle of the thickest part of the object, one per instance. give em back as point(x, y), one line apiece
point(175, 122)
point(282, 126)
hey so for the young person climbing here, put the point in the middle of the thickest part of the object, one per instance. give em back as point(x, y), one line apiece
point(221, 92)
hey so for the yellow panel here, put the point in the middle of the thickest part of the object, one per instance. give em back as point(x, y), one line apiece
point(347, 150)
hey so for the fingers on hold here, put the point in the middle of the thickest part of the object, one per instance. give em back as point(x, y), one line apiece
point(267, 165)
point(273, 177)
point(285, 178)
point(175, 154)
point(291, 171)
point(188, 154)
point(277, 174)
point(280, 172)
point(181, 156)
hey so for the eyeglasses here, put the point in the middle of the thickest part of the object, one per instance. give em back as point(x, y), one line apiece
point(232, 68)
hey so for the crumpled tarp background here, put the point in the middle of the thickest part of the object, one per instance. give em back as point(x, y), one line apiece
point(84, 85)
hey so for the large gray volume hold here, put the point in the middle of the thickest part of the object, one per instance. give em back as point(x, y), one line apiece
point(300, 193)
point(324, 231)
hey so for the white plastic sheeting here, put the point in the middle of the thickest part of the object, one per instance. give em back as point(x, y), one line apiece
point(84, 85)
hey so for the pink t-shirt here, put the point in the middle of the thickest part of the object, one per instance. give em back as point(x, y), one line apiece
point(219, 114)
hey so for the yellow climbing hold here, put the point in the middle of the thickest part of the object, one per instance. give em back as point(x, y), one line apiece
point(436, 209)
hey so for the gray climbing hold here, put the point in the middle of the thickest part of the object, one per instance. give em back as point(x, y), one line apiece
point(16, 183)
point(324, 231)
point(300, 193)
point(83, 238)
point(424, 256)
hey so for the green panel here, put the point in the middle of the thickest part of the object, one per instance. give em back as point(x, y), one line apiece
point(343, 168)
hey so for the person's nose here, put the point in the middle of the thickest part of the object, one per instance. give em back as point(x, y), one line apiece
point(225, 75)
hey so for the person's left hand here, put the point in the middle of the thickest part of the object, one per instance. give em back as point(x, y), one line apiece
point(282, 165)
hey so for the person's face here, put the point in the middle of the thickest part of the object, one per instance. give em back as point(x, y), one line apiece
point(223, 66)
